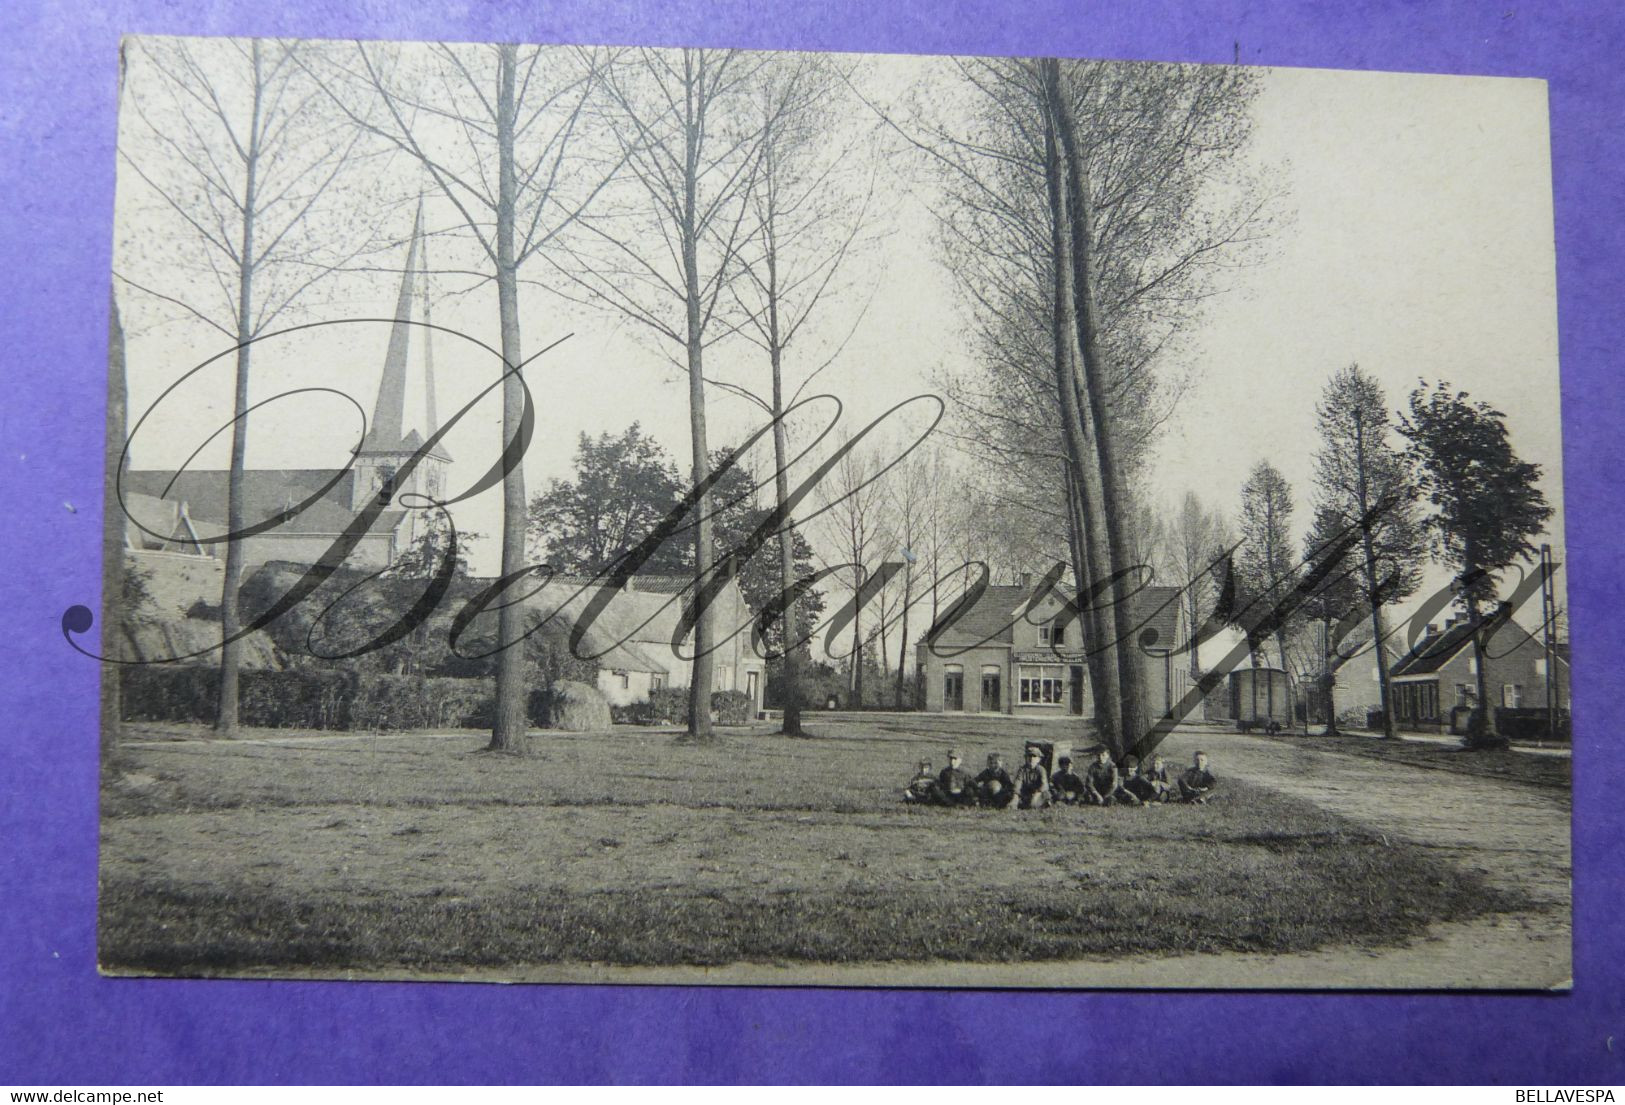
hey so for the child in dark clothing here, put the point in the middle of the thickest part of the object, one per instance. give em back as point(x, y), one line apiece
point(1066, 785)
point(994, 787)
point(955, 787)
point(1100, 781)
point(1197, 784)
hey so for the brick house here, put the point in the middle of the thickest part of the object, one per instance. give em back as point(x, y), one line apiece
point(1440, 673)
point(1009, 655)
point(1359, 686)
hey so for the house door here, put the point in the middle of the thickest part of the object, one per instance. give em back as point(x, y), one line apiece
point(753, 689)
point(990, 692)
point(1076, 675)
point(953, 690)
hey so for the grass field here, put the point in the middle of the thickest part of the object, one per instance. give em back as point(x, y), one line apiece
point(416, 852)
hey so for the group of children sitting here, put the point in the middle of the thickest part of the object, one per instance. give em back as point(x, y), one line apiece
point(1031, 786)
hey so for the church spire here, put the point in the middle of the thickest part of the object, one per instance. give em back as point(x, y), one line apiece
point(387, 428)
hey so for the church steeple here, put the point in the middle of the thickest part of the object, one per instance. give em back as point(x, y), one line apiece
point(388, 427)
point(389, 444)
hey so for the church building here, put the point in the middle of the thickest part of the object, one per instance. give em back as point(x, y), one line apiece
point(198, 496)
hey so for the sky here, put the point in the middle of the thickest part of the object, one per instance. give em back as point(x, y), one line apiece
point(1418, 242)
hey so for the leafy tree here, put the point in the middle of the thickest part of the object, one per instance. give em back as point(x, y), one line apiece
point(1360, 481)
point(1487, 508)
point(1267, 562)
point(760, 577)
point(624, 485)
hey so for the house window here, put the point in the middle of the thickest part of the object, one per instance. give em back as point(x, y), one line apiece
point(1464, 694)
point(1512, 695)
point(1043, 635)
point(623, 679)
point(1058, 635)
point(656, 682)
point(1041, 685)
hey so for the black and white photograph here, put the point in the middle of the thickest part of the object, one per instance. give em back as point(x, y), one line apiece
point(691, 515)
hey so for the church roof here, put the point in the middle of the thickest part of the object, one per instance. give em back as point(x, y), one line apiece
point(266, 492)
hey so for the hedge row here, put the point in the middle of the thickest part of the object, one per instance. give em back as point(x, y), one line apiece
point(306, 698)
point(265, 697)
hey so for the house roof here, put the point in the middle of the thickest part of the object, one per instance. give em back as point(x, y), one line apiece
point(1438, 648)
point(1393, 653)
point(633, 631)
point(151, 521)
point(266, 492)
point(1155, 610)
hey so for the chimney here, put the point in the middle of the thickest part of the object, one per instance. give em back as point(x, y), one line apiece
point(1025, 581)
point(1433, 629)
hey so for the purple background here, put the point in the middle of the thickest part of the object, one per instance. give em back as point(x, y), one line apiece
point(61, 1024)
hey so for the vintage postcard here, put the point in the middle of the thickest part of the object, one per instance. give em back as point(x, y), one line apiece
point(684, 515)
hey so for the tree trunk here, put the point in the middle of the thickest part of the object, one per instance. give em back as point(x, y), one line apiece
point(1327, 677)
point(1090, 631)
point(859, 578)
point(1484, 734)
point(225, 722)
point(1090, 367)
point(787, 534)
point(508, 733)
point(1390, 728)
point(902, 647)
point(1074, 419)
point(699, 690)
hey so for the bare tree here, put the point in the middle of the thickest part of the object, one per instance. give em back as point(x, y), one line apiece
point(910, 492)
point(1197, 538)
point(497, 129)
point(807, 209)
point(665, 252)
point(852, 518)
point(236, 144)
point(1106, 169)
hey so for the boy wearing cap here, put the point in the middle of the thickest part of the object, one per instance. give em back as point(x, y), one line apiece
point(1066, 785)
point(1032, 782)
point(955, 787)
point(994, 786)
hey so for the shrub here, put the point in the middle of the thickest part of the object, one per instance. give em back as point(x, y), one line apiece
point(573, 707)
point(669, 706)
point(415, 702)
point(731, 707)
point(666, 706)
